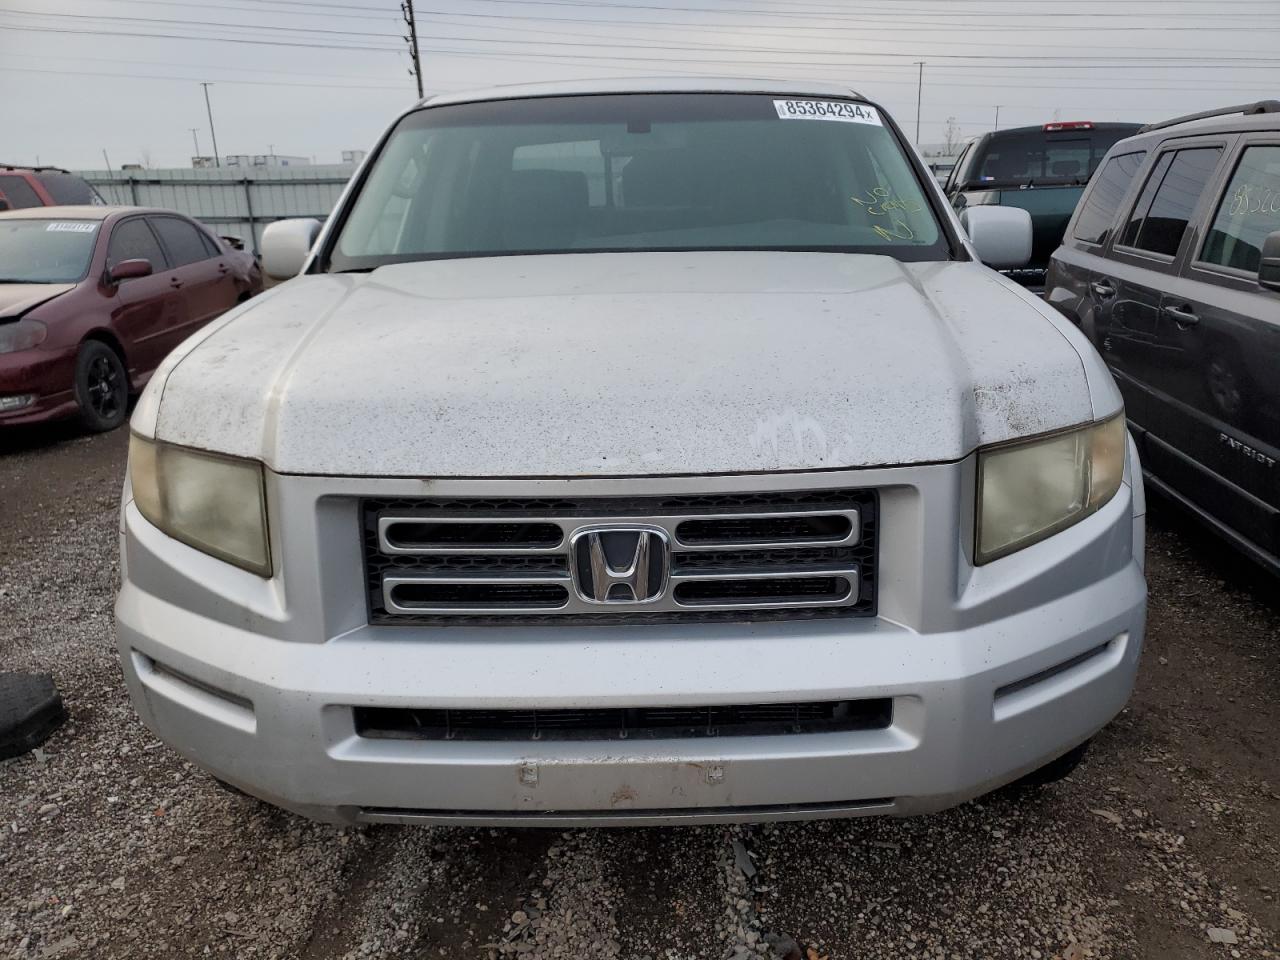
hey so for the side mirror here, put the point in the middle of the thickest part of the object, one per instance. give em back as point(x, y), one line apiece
point(1001, 236)
point(1269, 265)
point(129, 270)
point(286, 245)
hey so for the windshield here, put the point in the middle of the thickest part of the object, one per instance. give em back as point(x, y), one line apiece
point(46, 251)
point(638, 172)
point(1038, 156)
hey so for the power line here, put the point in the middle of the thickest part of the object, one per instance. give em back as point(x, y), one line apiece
point(817, 14)
point(615, 60)
point(887, 21)
point(152, 76)
point(607, 40)
point(202, 23)
point(196, 66)
point(888, 25)
point(407, 12)
point(1183, 63)
point(897, 13)
point(256, 8)
point(970, 80)
point(172, 36)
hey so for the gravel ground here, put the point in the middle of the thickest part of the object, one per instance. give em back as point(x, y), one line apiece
point(1165, 842)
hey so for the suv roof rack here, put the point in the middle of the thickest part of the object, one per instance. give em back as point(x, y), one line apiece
point(19, 166)
point(1260, 106)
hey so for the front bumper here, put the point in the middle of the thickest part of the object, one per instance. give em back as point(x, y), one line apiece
point(47, 376)
point(992, 672)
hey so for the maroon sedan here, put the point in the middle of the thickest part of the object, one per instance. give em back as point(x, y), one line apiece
point(93, 298)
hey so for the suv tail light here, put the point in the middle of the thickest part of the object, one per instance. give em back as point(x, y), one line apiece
point(1069, 125)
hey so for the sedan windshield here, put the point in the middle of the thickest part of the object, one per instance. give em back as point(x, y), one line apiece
point(639, 172)
point(46, 251)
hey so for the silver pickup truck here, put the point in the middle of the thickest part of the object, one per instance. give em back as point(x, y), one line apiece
point(634, 452)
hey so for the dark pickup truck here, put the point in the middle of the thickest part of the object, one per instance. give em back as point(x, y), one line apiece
point(1041, 169)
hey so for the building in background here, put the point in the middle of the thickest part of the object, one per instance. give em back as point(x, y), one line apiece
point(264, 160)
point(234, 201)
point(241, 161)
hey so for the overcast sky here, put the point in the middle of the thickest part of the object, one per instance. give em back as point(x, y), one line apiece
point(315, 77)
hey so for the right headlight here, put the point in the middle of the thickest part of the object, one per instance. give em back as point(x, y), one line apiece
point(1029, 490)
point(214, 503)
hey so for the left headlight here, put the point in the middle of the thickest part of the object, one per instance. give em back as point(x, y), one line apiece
point(21, 335)
point(214, 503)
point(1029, 490)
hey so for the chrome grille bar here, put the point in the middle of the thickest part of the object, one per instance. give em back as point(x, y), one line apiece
point(846, 532)
point(394, 588)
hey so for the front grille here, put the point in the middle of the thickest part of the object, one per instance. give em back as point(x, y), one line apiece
point(632, 723)
point(754, 556)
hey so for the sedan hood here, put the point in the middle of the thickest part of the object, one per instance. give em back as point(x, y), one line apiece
point(17, 298)
point(624, 364)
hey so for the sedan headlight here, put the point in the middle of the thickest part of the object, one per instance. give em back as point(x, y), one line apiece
point(1029, 490)
point(21, 335)
point(211, 502)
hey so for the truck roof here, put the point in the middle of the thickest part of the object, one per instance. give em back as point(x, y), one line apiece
point(568, 88)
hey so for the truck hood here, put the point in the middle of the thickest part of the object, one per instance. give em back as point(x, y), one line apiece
point(625, 364)
point(17, 298)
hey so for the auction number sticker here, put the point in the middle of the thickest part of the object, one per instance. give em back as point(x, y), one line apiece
point(71, 226)
point(841, 110)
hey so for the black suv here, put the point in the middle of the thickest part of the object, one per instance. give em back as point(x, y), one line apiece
point(1171, 265)
point(1042, 169)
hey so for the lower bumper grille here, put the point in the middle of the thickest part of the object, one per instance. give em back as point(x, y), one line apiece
point(632, 723)
point(757, 556)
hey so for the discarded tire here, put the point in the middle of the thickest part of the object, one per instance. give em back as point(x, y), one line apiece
point(30, 710)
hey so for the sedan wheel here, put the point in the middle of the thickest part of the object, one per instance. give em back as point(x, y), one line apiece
point(102, 387)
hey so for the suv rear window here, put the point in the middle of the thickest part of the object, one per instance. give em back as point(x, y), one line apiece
point(67, 188)
point(1159, 218)
point(639, 172)
point(1043, 156)
point(1250, 209)
point(18, 192)
point(1103, 199)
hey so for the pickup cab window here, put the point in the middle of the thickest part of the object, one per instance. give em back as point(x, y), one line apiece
point(639, 172)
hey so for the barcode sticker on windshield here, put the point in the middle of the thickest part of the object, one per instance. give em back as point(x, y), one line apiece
point(74, 226)
point(841, 110)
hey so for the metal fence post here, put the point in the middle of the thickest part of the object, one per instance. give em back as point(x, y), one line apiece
point(253, 224)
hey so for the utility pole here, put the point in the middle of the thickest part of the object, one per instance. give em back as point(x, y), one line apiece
point(217, 162)
point(919, 96)
point(997, 116)
point(406, 9)
point(195, 141)
point(105, 158)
